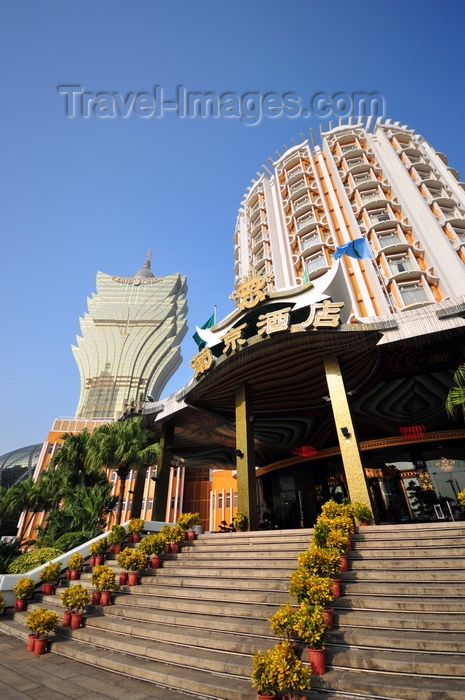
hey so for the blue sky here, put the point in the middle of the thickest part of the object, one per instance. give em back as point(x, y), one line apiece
point(81, 195)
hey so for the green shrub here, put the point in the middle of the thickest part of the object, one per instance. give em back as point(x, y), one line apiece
point(9, 552)
point(31, 560)
point(70, 540)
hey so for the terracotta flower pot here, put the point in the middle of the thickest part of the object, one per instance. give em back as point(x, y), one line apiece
point(344, 565)
point(336, 587)
point(76, 620)
point(175, 547)
point(130, 538)
point(328, 615)
point(40, 646)
point(133, 577)
point(317, 661)
point(260, 696)
point(66, 618)
point(123, 578)
point(117, 549)
point(92, 561)
point(99, 560)
point(47, 588)
point(167, 548)
point(96, 595)
point(74, 574)
point(105, 598)
point(136, 538)
point(68, 574)
point(20, 604)
point(186, 535)
point(31, 640)
point(155, 561)
point(191, 535)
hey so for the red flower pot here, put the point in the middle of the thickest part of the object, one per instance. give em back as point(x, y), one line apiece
point(167, 548)
point(186, 535)
point(112, 548)
point(76, 620)
point(317, 661)
point(20, 604)
point(175, 547)
point(133, 577)
point(116, 549)
point(105, 598)
point(68, 574)
point(130, 538)
point(123, 578)
point(260, 696)
point(155, 561)
point(96, 595)
point(47, 588)
point(191, 535)
point(99, 560)
point(136, 538)
point(74, 574)
point(66, 618)
point(92, 561)
point(344, 565)
point(40, 646)
point(336, 587)
point(328, 615)
point(31, 639)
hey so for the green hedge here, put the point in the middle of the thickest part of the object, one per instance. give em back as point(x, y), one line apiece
point(31, 560)
point(70, 540)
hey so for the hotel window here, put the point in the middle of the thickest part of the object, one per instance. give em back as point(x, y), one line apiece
point(378, 216)
point(423, 174)
point(298, 185)
point(399, 263)
point(387, 238)
point(302, 202)
point(220, 500)
point(448, 212)
point(413, 293)
point(349, 147)
point(352, 162)
point(305, 221)
point(314, 262)
point(369, 195)
point(358, 179)
point(235, 499)
point(435, 191)
point(309, 240)
point(228, 500)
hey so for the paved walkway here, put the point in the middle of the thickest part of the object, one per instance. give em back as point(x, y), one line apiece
point(51, 676)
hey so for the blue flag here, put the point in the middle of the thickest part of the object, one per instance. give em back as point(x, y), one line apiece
point(354, 249)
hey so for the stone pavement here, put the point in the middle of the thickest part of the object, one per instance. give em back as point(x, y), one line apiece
point(51, 676)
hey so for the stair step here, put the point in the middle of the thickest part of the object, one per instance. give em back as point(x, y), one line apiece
point(440, 642)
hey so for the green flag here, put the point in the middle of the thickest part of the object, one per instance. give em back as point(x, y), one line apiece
point(208, 324)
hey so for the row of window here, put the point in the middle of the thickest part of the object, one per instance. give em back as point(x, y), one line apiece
point(217, 500)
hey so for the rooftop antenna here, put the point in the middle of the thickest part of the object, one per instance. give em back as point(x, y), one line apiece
point(148, 258)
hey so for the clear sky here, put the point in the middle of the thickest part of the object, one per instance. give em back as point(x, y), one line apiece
point(80, 195)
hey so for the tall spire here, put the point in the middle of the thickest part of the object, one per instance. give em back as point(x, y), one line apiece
point(145, 270)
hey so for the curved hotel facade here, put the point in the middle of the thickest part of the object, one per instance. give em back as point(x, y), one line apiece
point(330, 376)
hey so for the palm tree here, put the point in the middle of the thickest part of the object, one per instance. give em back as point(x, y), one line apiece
point(29, 497)
point(123, 446)
point(455, 402)
point(6, 505)
point(89, 508)
point(72, 460)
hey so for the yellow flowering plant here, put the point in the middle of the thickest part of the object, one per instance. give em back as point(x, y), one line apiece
point(320, 562)
point(282, 622)
point(76, 561)
point(102, 574)
point(136, 525)
point(75, 598)
point(153, 544)
point(50, 573)
point(98, 548)
point(131, 559)
point(42, 621)
point(461, 498)
point(24, 588)
point(279, 669)
point(310, 625)
point(317, 589)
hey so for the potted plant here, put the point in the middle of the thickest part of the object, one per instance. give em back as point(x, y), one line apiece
point(97, 550)
point(136, 525)
point(41, 622)
point(363, 513)
point(282, 622)
point(75, 564)
point(320, 562)
point(75, 599)
point(187, 522)
point(317, 589)
point(115, 538)
point(49, 577)
point(174, 535)
point(103, 579)
point(279, 669)
point(240, 522)
point(153, 546)
point(132, 560)
point(2, 604)
point(23, 589)
point(311, 626)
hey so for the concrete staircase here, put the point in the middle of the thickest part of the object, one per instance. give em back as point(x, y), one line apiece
point(193, 625)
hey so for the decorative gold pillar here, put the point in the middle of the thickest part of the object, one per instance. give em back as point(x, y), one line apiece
point(356, 482)
point(245, 459)
point(161, 494)
point(138, 495)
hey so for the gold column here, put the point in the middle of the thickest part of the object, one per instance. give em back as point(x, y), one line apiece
point(350, 454)
point(245, 460)
point(161, 494)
